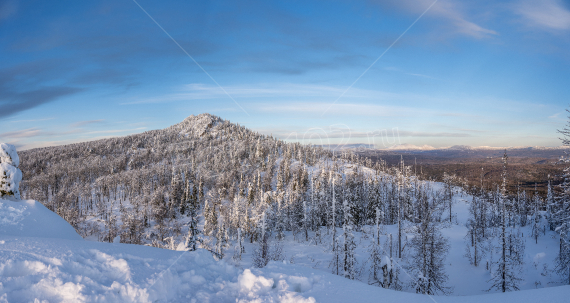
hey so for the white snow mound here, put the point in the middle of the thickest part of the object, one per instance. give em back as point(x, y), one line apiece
point(29, 218)
point(43, 259)
point(10, 175)
point(9, 155)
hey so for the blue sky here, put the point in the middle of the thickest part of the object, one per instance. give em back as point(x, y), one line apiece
point(492, 73)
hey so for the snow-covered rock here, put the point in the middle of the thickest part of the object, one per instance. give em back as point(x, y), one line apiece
point(10, 175)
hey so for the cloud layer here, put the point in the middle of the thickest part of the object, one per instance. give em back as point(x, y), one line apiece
point(545, 14)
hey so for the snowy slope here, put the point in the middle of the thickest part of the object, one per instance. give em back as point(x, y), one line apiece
point(29, 218)
point(41, 257)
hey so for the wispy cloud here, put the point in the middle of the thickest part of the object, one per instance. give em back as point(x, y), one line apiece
point(450, 10)
point(42, 134)
point(455, 128)
point(198, 91)
point(345, 109)
point(298, 92)
point(36, 132)
point(83, 123)
point(24, 133)
point(395, 69)
point(419, 134)
point(114, 131)
point(31, 120)
point(35, 137)
point(546, 14)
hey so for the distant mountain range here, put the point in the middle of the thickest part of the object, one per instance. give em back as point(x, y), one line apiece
point(467, 147)
point(411, 147)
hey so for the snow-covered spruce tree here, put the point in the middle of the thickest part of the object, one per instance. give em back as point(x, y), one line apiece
point(523, 209)
point(429, 247)
point(475, 250)
point(561, 212)
point(561, 217)
point(563, 258)
point(176, 194)
point(10, 174)
point(448, 190)
point(160, 211)
point(536, 216)
point(348, 249)
point(133, 226)
point(375, 277)
point(222, 238)
point(185, 196)
point(401, 198)
point(550, 206)
point(266, 252)
point(280, 219)
point(192, 208)
point(505, 278)
point(211, 227)
point(237, 222)
point(111, 228)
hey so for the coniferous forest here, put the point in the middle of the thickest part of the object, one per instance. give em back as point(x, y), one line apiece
point(208, 183)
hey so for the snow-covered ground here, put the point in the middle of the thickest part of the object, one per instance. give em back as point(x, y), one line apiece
point(464, 278)
point(42, 259)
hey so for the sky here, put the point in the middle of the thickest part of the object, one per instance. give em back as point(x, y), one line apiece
point(443, 73)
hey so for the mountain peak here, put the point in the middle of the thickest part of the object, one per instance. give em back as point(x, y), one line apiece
point(197, 125)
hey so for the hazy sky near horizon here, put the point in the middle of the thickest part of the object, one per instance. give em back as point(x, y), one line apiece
point(493, 73)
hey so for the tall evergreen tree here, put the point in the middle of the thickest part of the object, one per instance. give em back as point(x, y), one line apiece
point(508, 266)
point(429, 248)
point(348, 251)
point(561, 213)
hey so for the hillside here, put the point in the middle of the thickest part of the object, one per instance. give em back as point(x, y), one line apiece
point(254, 201)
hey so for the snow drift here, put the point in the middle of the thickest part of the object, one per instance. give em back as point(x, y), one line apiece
point(43, 259)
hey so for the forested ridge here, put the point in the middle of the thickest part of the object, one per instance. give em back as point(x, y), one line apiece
point(208, 183)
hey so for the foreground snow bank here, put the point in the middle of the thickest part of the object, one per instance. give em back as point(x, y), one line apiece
point(28, 218)
point(43, 258)
point(59, 270)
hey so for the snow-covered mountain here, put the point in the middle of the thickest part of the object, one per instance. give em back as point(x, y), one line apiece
point(406, 146)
